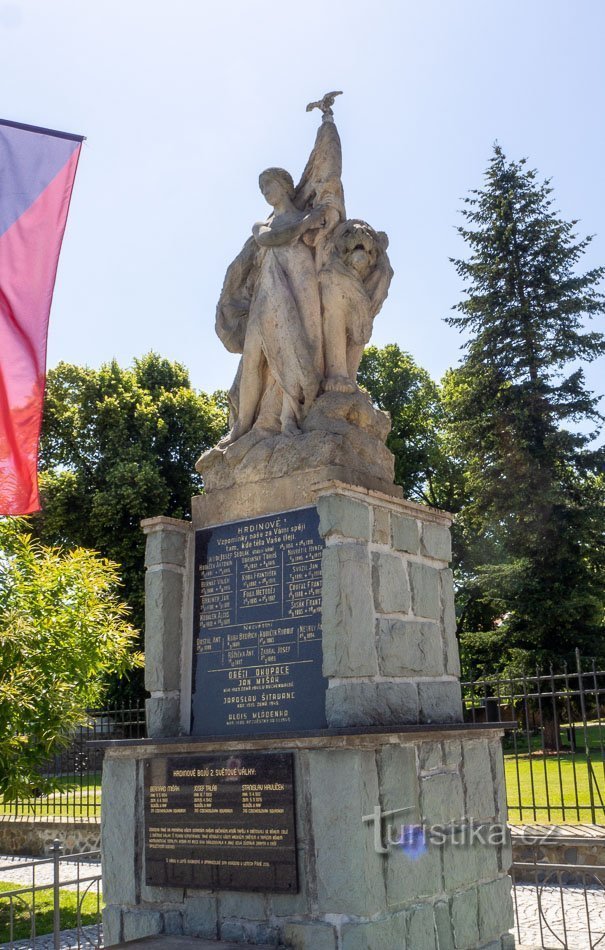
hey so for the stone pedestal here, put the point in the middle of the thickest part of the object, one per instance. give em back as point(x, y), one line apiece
point(358, 889)
point(400, 806)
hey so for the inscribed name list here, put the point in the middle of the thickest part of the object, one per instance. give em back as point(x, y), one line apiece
point(220, 821)
point(257, 653)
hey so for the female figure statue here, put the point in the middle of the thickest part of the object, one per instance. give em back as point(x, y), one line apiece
point(270, 309)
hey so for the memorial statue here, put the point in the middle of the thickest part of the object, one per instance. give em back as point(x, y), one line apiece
point(298, 303)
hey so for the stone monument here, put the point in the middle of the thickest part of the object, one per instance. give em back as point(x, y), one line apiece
point(308, 781)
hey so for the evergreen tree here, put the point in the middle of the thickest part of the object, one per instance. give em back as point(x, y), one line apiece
point(534, 481)
point(405, 390)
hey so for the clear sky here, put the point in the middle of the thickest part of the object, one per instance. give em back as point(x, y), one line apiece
point(184, 103)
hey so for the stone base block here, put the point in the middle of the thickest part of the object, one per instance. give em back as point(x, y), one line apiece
point(341, 430)
point(249, 500)
point(401, 842)
point(177, 943)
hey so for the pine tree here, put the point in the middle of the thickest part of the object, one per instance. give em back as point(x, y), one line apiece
point(518, 409)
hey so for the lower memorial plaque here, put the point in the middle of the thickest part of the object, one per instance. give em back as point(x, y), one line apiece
point(221, 821)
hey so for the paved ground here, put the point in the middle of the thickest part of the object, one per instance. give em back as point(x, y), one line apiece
point(14, 871)
point(91, 938)
point(566, 912)
point(564, 921)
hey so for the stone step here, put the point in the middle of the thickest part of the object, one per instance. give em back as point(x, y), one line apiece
point(167, 942)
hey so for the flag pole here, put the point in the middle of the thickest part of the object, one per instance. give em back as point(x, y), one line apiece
point(42, 131)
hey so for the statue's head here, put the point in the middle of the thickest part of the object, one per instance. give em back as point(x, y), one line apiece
point(274, 182)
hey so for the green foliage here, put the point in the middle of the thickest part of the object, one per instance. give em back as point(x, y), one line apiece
point(63, 630)
point(405, 390)
point(530, 543)
point(119, 445)
point(77, 910)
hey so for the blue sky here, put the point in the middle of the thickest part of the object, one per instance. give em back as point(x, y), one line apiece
point(184, 103)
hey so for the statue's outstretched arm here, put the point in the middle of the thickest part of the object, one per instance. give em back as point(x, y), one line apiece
point(274, 235)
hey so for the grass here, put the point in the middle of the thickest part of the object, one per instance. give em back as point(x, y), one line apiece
point(560, 780)
point(563, 783)
point(22, 929)
point(77, 797)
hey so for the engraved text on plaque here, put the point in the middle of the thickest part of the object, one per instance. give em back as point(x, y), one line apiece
point(257, 656)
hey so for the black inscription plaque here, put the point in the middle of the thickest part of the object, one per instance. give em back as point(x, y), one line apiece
point(221, 821)
point(257, 653)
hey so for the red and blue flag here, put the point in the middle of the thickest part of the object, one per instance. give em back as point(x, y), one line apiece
point(37, 170)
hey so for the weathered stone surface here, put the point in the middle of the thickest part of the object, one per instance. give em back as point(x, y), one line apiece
point(294, 905)
point(505, 852)
point(371, 704)
point(424, 583)
point(440, 701)
point(442, 798)
point(163, 626)
point(436, 541)
point(398, 778)
point(349, 643)
point(161, 895)
point(385, 934)
point(282, 493)
point(452, 753)
point(507, 942)
point(478, 787)
point(340, 515)
point(430, 756)
point(332, 436)
point(409, 875)
point(448, 607)
point(239, 904)
point(381, 525)
point(163, 716)
point(443, 926)
point(112, 925)
point(464, 863)
point(167, 545)
point(141, 923)
point(421, 928)
point(311, 936)
point(173, 921)
point(448, 622)
point(405, 534)
point(343, 786)
point(464, 918)
point(36, 836)
point(118, 822)
point(262, 933)
point(240, 931)
point(408, 647)
point(200, 918)
point(499, 781)
point(496, 916)
point(390, 584)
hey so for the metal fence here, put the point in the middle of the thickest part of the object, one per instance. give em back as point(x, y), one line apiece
point(76, 769)
point(558, 905)
point(555, 759)
point(59, 907)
